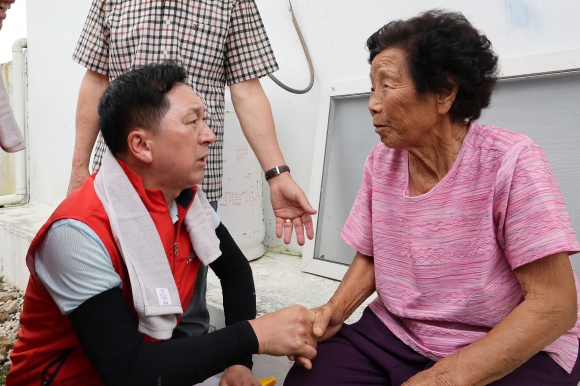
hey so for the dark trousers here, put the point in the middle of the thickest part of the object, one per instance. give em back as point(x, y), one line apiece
point(367, 353)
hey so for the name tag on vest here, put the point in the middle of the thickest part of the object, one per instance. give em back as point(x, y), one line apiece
point(163, 296)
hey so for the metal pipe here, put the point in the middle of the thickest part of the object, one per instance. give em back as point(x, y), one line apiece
point(308, 59)
point(19, 86)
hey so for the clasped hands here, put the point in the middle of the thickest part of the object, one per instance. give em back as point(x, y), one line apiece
point(295, 331)
point(323, 322)
point(287, 332)
point(284, 332)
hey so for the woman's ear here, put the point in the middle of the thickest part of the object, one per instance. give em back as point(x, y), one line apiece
point(139, 144)
point(446, 96)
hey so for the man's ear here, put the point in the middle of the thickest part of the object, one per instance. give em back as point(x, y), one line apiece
point(446, 96)
point(139, 144)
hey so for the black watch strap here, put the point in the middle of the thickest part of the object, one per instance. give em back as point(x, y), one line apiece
point(275, 171)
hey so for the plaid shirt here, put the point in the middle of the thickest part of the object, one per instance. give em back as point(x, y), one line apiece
point(218, 42)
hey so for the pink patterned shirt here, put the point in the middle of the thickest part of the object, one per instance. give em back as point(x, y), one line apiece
point(444, 260)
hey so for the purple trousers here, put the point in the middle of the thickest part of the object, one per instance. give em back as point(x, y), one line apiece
point(367, 353)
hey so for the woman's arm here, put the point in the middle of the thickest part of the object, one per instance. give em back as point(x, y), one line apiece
point(548, 311)
point(357, 285)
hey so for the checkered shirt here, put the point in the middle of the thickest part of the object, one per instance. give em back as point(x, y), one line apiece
point(218, 42)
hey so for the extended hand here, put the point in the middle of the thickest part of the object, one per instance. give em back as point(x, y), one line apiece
point(287, 332)
point(329, 321)
point(238, 375)
point(290, 202)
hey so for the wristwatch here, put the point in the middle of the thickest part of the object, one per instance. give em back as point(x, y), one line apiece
point(275, 171)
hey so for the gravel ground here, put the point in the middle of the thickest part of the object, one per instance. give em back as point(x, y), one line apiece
point(11, 300)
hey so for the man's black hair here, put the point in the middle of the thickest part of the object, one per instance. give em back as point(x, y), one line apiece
point(137, 99)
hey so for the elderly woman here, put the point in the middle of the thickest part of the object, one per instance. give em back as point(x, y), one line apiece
point(460, 228)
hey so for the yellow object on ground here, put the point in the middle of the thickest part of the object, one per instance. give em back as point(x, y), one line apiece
point(271, 381)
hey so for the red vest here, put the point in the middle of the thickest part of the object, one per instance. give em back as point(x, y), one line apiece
point(46, 333)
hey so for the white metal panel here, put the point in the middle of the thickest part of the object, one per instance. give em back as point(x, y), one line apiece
point(544, 64)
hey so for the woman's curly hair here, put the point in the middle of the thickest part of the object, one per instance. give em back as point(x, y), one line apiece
point(439, 45)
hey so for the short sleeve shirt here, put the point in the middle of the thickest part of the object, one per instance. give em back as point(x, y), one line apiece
point(219, 42)
point(73, 264)
point(444, 260)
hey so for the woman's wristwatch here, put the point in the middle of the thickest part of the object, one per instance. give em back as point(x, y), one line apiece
point(275, 171)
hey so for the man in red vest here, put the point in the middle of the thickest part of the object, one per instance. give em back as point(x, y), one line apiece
point(83, 320)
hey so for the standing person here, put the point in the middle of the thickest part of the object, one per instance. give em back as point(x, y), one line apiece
point(4, 6)
point(11, 139)
point(115, 262)
point(218, 42)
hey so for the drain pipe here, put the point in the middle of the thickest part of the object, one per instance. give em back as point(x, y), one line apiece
point(19, 109)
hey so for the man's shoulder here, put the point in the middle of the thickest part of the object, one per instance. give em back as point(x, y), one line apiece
point(82, 202)
point(82, 206)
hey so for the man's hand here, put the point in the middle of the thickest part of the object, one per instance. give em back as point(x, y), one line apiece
point(290, 202)
point(4, 6)
point(77, 177)
point(287, 332)
point(329, 321)
point(238, 375)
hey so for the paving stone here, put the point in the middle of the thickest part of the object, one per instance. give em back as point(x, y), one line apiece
point(5, 296)
point(5, 346)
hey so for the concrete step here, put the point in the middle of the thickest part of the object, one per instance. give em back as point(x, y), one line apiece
point(18, 226)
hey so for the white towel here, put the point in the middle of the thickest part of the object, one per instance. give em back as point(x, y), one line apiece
point(10, 136)
point(155, 293)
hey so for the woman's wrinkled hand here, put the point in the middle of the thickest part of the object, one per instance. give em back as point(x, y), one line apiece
point(329, 321)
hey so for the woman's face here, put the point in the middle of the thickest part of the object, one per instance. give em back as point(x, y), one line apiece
point(402, 118)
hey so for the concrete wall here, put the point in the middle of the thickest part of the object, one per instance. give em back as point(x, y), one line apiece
point(335, 31)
